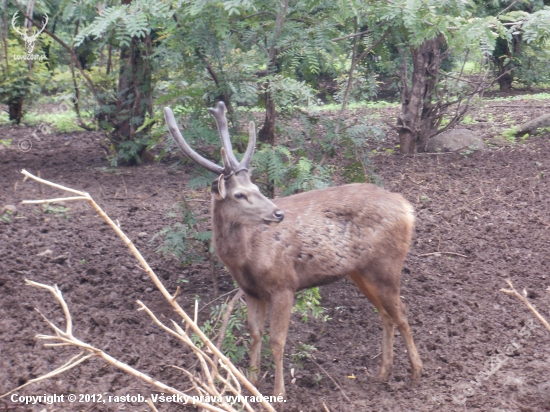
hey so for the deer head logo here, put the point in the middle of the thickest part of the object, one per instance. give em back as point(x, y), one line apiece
point(29, 40)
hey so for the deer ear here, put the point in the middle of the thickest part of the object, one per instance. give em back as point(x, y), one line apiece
point(218, 188)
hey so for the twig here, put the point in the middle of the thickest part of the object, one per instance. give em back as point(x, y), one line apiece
point(442, 253)
point(326, 407)
point(512, 291)
point(225, 320)
point(331, 378)
point(218, 298)
point(151, 405)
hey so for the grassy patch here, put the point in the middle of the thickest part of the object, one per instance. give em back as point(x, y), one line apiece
point(64, 122)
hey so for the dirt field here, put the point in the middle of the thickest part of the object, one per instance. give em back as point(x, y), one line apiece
point(489, 210)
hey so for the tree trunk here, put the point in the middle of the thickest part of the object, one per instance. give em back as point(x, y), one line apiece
point(504, 56)
point(267, 132)
point(134, 99)
point(417, 122)
point(15, 110)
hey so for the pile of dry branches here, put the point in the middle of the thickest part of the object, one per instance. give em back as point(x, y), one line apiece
point(218, 379)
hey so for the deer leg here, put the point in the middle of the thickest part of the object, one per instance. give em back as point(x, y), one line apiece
point(398, 313)
point(373, 294)
point(281, 307)
point(386, 365)
point(257, 310)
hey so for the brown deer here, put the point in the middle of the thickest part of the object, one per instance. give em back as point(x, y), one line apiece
point(356, 230)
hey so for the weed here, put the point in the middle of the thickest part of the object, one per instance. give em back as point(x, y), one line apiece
point(318, 378)
point(234, 342)
point(308, 303)
point(468, 120)
point(59, 211)
point(6, 142)
point(424, 199)
point(510, 134)
point(184, 240)
point(302, 351)
point(471, 149)
point(7, 216)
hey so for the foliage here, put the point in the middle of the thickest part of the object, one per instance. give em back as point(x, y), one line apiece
point(18, 83)
point(58, 211)
point(302, 352)
point(234, 342)
point(363, 87)
point(185, 241)
point(308, 303)
point(510, 134)
point(275, 165)
point(6, 216)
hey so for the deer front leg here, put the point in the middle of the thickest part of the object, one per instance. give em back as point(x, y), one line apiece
point(281, 307)
point(257, 310)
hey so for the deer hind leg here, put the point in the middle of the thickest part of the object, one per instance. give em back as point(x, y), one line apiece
point(397, 310)
point(371, 292)
point(281, 307)
point(383, 292)
point(257, 310)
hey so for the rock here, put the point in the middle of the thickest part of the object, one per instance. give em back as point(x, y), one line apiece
point(9, 208)
point(532, 126)
point(60, 259)
point(455, 140)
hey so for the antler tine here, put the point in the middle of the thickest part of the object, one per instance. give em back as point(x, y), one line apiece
point(180, 141)
point(13, 24)
point(43, 26)
point(221, 120)
point(250, 149)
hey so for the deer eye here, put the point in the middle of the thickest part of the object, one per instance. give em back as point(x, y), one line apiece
point(239, 196)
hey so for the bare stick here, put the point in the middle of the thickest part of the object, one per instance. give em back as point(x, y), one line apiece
point(225, 321)
point(151, 405)
point(443, 253)
point(513, 292)
point(331, 378)
point(77, 360)
point(218, 298)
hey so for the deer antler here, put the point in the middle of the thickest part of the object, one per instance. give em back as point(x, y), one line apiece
point(42, 29)
point(178, 138)
point(221, 120)
point(250, 149)
point(14, 27)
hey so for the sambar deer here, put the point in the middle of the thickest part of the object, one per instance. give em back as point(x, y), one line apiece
point(357, 230)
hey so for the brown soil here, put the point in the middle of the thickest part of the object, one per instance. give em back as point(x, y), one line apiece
point(489, 210)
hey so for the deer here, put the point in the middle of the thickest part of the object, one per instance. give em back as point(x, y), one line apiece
point(29, 40)
point(274, 248)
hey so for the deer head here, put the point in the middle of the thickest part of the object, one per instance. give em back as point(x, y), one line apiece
point(236, 198)
point(29, 40)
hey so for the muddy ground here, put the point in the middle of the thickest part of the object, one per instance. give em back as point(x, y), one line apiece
point(488, 211)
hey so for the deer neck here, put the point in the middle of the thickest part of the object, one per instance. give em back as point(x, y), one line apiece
point(229, 237)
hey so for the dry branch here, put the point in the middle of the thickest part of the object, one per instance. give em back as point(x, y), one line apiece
point(513, 292)
point(442, 253)
point(66, 337)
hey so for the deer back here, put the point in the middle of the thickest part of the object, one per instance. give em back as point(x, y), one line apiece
point(326, 235)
